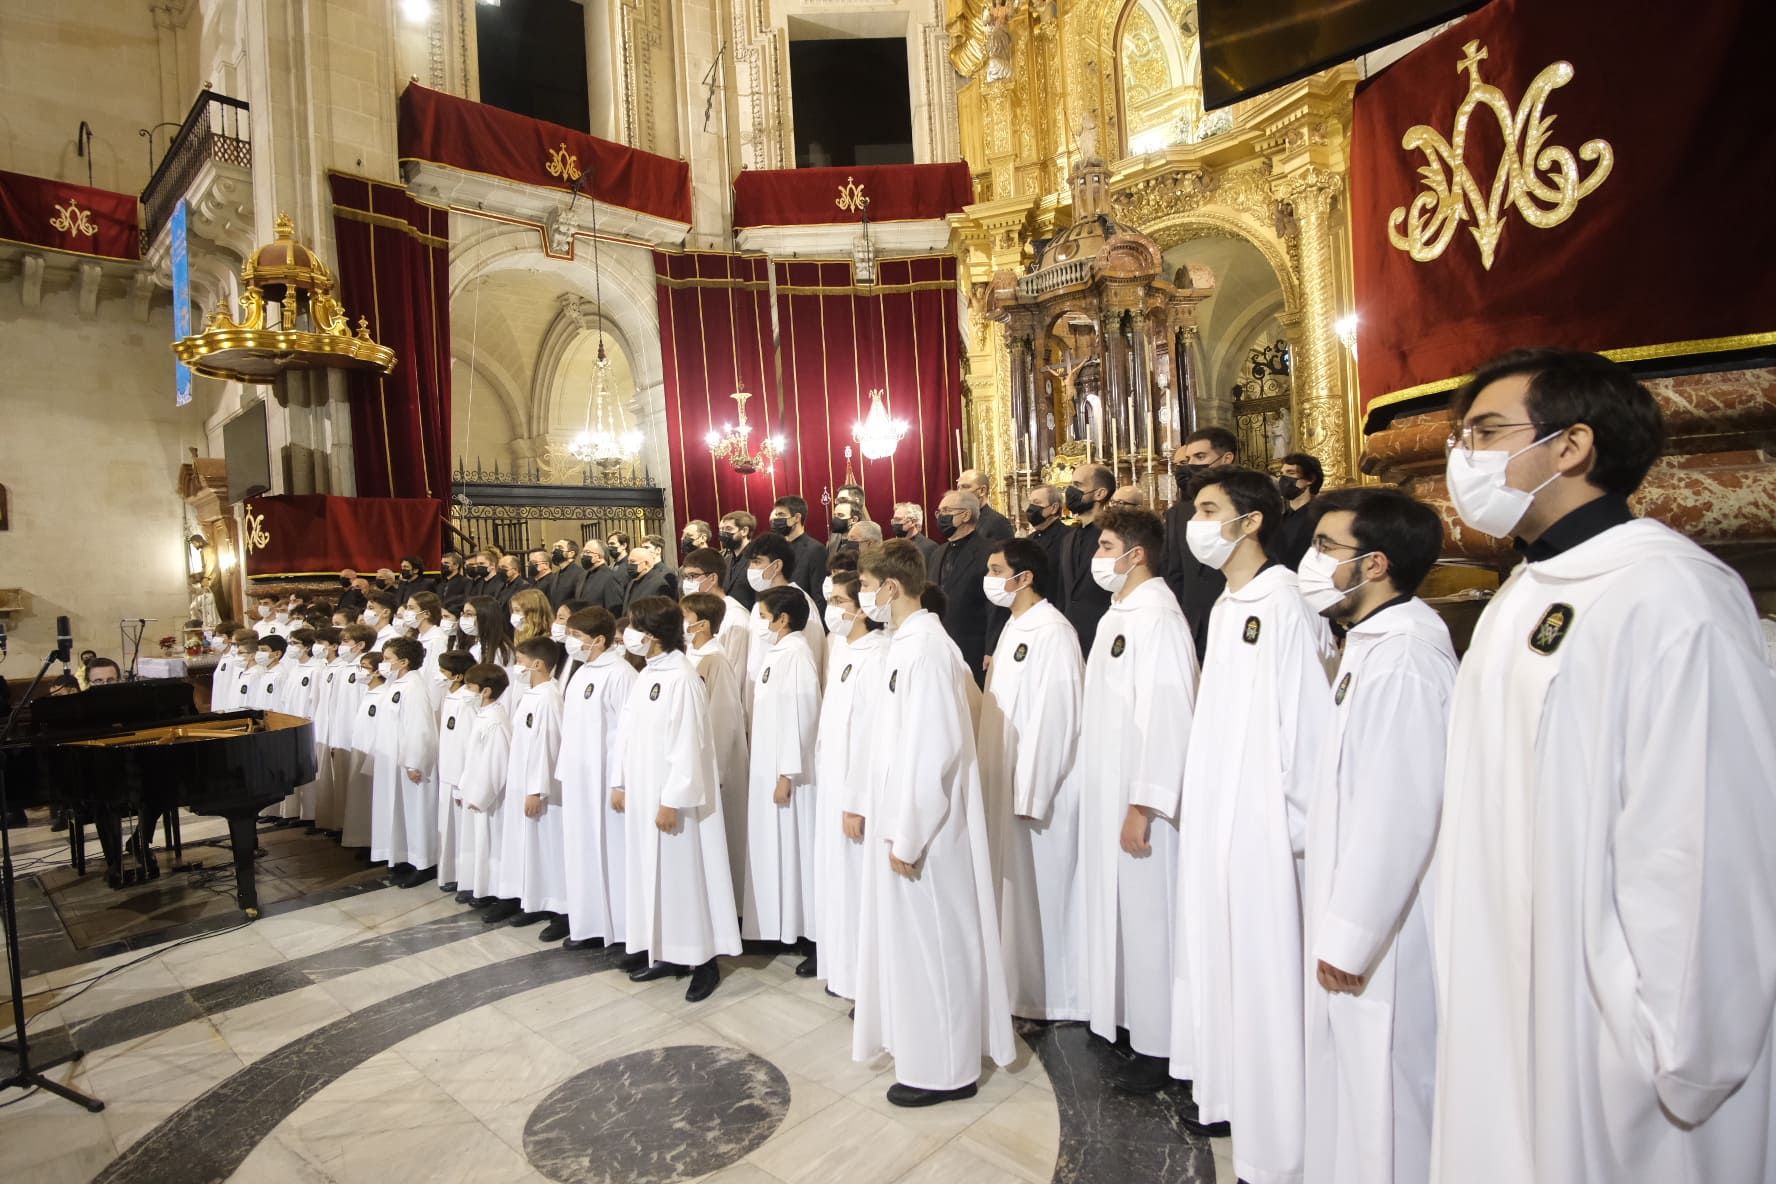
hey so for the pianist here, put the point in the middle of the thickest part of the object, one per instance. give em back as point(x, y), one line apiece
point(102, 671)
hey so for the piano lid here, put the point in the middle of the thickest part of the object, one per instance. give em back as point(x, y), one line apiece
point(202, 728)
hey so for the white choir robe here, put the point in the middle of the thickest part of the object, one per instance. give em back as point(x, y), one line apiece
point(349, 685)
point(759, 642)
point(456, 716)
point(268, 693)
point(1608, 824)
point(1372, 820)
point(483, 791)
point(302, 690)
point(325, 678)
point(735, 637)
point(404, 812)
point(222, 682)
point(532, 851)
point(930, 984)
point(1140, 692)
point(592, 832)
point(1263, 714)
point(777, 902)
point(246, 684)
point(727, 726)
point(358, 804)
point(840, 752)
point(679, 893)
point(1029, 741)
point(436, 641)
point(385, 635)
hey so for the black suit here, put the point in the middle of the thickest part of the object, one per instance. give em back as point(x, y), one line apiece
point(407, 589)
point(993, 524)
point(1196, 585)
point(735, 583)
point(563, 584)
point(603, 588)
point(502, 591)
point(1082, 600)
point(1053, 540)
point(351, 601)
point(1295, 535)
point(958, 569)
point(453, 591)
point(810, 568)
point(928, 548)
point(654, 583)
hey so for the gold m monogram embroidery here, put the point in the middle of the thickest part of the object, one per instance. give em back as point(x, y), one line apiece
point(1452, 194)
point(256, 538)
point(851, 197)
point(563, 164)
point(71, 219)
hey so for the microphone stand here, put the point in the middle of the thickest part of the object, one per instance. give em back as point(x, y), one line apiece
point(25, 1077)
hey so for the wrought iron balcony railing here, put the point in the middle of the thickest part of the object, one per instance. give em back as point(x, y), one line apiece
point(218, 128)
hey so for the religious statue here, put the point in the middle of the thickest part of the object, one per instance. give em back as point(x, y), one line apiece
point(999, 43)
point(1277, 428)
point(1088, 135)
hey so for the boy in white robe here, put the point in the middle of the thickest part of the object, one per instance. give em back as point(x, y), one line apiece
point(264, 611)
point(484, 780)
point(301, 687)
point(379, 614)
point(1605, 913)
point(1262, 717)
point(324, 658)
point(242, 671)
point(930, 985)
point(358, 804)
point(348, 687)
point(456, 716)
point(770, 561)
point(705, 617)
point(1371, 823)
point(532, 851)
point(1138, 700)
point(587, 768)
point(777, 903)
point(222, 674)
point(1029, 739)
point(680, 899)
point(404, 786)
point(705, 571)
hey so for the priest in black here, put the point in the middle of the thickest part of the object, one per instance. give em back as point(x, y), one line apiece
point(413, 579)
point(789, 516)
point(650, 576)
point(1042, 511)
point(958, 569)
point(453, 584)
point(565, 576)
point(909, 523)
point(1196, 585)
point(1082, 600)
point(734, 533)
point(992, 524)
point(1301, 480)
point(599, 584)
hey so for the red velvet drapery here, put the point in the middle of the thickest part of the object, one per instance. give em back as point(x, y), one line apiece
point(66, 217)
point(836, 342)
point(394, 269)
point(894, 193)
point(317, 535)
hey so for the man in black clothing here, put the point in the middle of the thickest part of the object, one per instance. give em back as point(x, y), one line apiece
point(413, 579)
point(564, 577)
point(650, 576)
point(788, 516)
point(958, 569)
point(735, 535)
point(509, 581)
point(354, 592)
point(1081, 599)
point(992, 523)
point(599, 583)
point(1301, 481)
point(909, 523)
point(1043, 512)
point(483, 572)
point(1196, 585)
point(453, 585)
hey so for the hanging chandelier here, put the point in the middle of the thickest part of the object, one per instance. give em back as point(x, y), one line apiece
point(876, 434)
point(603, 446)
point(734, 443)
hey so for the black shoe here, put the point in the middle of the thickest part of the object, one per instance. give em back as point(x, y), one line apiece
point(420, 876)
point(521, 919)
point(465, 897)
point(629, 963)
point(1141, 1074)
point(500, 910)
point(312, 829)
point(808, 967)
point(583, 943)
point(1211, 1130)
point(450, 887)
point(59, 822)
point(704, 980)
point(481, 902)
point(658, 970)
point(555, 930)
point(908, 1095)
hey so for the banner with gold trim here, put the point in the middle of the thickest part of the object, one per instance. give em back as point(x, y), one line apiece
point(62, 216)
point(1582, 174)
point(890, 192)
point(319, 534)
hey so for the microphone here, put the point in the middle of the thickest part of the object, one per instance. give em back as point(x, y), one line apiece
point(64, 640)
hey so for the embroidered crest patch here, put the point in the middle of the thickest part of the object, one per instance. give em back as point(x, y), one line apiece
point(243, 689)
point(655, 693)
point(329, 678)
point(1023, 651)
point(589, 689)
point(845, 673)
point(305, 680)
point(1253, 626)
point(1117, 646)
point(766, 676)
point(892, 679)
point(530, 719)
point(352, 677)
point(1550, 631)
point(1344, 686)
point(372, 711)
point(396, 698)
point(271, 688)
point(450, 724)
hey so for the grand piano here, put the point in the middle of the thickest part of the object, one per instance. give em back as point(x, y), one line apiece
point(141, 749)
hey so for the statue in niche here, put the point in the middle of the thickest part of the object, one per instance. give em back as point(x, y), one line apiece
point(1088, 135)
point(999, 42)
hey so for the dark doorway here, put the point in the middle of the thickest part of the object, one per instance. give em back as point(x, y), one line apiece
point(851, 101)
point(533, 59)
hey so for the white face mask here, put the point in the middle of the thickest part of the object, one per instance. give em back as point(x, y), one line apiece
point(873, 607)
point(296, 653)
point(1316, 577)
point(576, 649)
point(218, 644)
point(1208, 544)
point(1478, 485)
point(348, 649)
point(521, 677)
point(265, 612)
point(447, 624)
point(635, 641)
point(283, 616)
point(467, 625)
point(558, 631)
point(372, 618)
point(756, 577)
point(826, 588)
point(517, 620)
point(994, 587)
point(1105, 575)
point(838, 620)
point(385, 669)
point(692, 585)
point(262, 657)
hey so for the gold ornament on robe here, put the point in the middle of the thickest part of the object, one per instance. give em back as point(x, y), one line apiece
point(1453, 194)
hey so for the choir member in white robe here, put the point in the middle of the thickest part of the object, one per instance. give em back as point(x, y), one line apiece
point(705, 613)
point(404, 786)
point(930, 985)
point(1372, 816)
point(855, 648)
point(706, 571)
point(349, 684)
point(227, 684)
point(267, 692)
point(456, 715)
point(301, 688)
point(1138, 699)
point(326, 658)
point(426, 612)
point(1263, 715)
point(777, 903)
point(1605, 913)
point(532, 851)
point(587, 769)
point(680, 898)
point(484, 781)
point(770, 562)
point(264, 611)
point(1029, 741)
point(358, 808)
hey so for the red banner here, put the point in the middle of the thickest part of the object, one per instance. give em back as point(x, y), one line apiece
point(437, 128)
point(65, 217)
point(891, 193)
point(838, 342)
point(1660, 232)
point(316, 534)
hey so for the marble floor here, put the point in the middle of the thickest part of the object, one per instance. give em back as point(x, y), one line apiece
point(383, 1035)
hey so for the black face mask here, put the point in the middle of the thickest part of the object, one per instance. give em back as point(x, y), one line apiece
point(406, 576)
point(586, 561)
point(1035, 515)
point(899, 529)
point(345, 583)
point(687, 544)
point(1290, 487)
point(780, 525)
point(558, 556)
point(1078, 500)
point(1186, 473)
point(841, 525)
point(730, 540)
point(946, 524)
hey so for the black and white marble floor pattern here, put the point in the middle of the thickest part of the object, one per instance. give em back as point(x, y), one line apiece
point(390, 1036)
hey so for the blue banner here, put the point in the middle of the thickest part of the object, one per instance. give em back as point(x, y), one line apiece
point(181, 299)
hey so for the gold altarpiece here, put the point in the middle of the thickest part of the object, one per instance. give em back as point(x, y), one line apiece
point(1050, 91)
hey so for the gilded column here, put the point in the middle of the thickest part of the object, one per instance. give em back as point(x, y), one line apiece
point(1322, 423)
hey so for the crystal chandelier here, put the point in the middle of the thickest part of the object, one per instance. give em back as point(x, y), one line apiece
point(734, 445)
point(603, 446)
point(876, 434)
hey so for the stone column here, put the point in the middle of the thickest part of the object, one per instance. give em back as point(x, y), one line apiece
point(1322, 422)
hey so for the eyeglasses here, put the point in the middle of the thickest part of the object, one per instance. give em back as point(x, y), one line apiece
point(1326, 545)
point(1470, 436)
